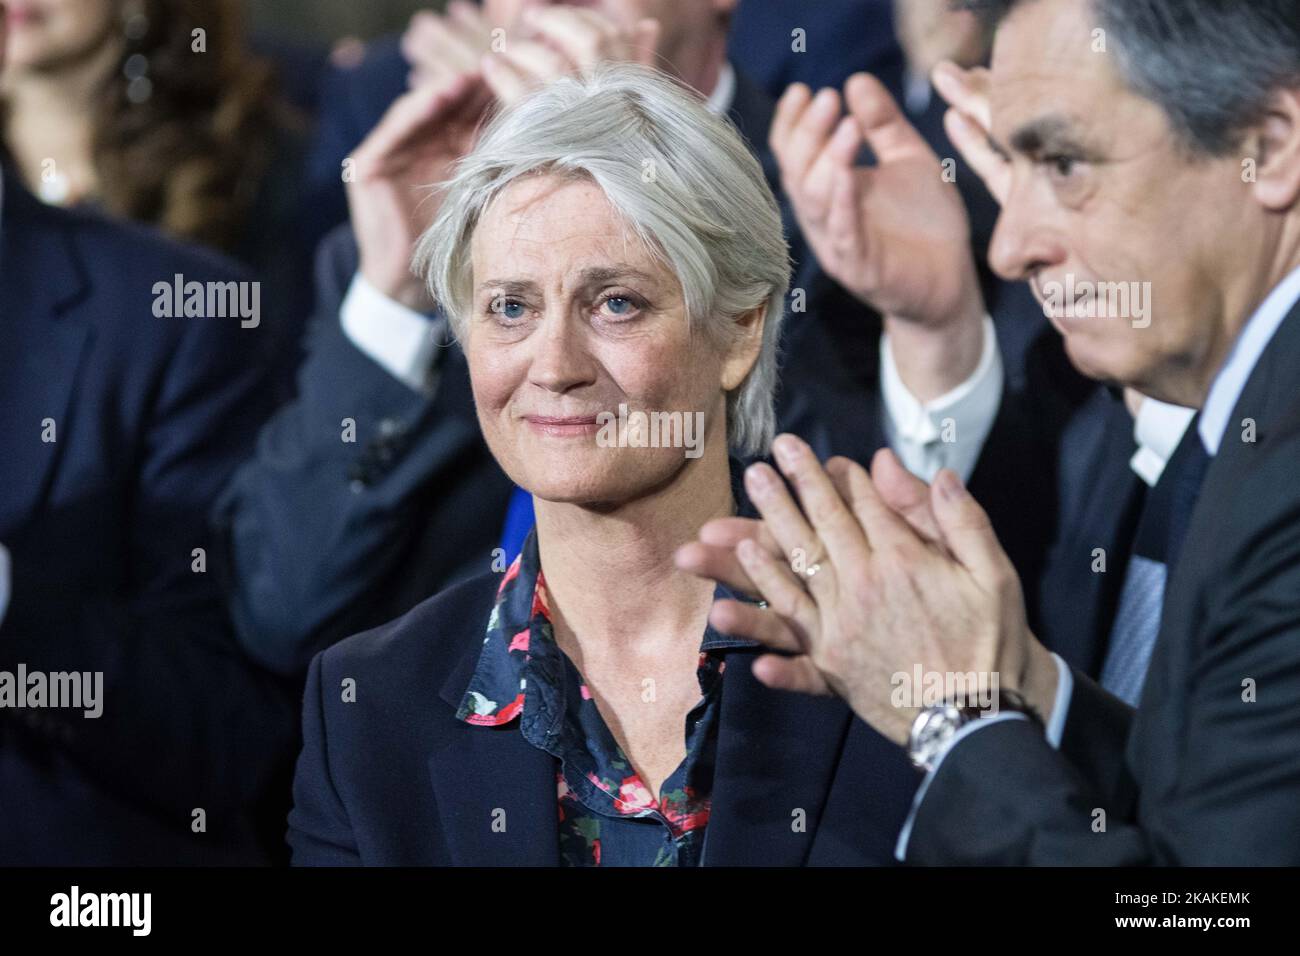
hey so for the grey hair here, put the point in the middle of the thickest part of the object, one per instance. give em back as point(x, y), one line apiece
point(681, 178)
point(1211, 65)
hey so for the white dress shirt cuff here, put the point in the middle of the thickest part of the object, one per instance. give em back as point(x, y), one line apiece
point(402, 341)
point(948, 432)
point(1061, 707)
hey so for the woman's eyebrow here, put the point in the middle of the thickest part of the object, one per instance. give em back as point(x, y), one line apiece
point(587, 278)
point(508, 286)
point(602, 274)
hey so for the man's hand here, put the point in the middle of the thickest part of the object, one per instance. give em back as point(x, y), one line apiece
point(557, 40)
point(968, 123)
point(896, 235)
point(878, 591)
point(414, 146)
point(439, 48)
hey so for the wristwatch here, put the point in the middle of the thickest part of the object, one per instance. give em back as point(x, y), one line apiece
point(935, 726)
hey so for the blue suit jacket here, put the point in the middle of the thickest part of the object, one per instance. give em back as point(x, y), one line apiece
point(150, 415)
point(394, 779)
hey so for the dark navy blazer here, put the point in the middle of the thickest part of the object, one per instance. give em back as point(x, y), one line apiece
point(392, 778)
point(149, 416)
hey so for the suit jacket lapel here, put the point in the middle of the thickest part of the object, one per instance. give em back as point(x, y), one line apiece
point(1268, 397)
point(41, 347)
point(496, 797)
point(1269, 394)
point(495, 791)
point(777, 754)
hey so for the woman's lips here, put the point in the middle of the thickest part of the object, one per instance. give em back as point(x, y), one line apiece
point(563, 427)
point(18, 15)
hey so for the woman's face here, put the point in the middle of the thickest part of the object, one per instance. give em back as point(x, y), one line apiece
point(45, 35)
point(572, 317)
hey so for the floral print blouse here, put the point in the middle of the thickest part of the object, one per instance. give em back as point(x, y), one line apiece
point(607, 815)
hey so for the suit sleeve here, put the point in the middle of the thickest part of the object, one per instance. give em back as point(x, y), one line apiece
point(324, 515)
point(1094, 740)
point(1004, 796)
point(320, 833)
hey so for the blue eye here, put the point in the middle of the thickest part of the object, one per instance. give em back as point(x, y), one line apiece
point(620, 306)
point(508, 308)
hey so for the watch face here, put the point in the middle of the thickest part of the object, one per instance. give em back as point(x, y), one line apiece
point(933, 729)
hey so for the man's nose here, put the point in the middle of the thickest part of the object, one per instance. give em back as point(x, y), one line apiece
point(1027, 237)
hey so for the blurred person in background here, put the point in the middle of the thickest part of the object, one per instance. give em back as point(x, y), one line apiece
point(119, 422)
point(839, 37)
point(156, 111)
point(835, 39)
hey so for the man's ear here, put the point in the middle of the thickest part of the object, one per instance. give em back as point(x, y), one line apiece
point(1277, 172)
point(745, 347)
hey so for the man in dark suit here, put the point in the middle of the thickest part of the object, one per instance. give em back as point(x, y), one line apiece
point(1039, 443)
point(121, 418)
point(839, 38)
point(1205, 769)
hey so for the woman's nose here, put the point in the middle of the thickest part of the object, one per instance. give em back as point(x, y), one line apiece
point(561, 361)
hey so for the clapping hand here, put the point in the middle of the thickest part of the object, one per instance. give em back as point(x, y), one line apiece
point(866, 578)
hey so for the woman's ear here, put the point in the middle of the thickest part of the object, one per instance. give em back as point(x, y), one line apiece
point(1277, 161)
point(745, 347)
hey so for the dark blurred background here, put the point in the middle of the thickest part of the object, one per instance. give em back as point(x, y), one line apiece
point(328, 20)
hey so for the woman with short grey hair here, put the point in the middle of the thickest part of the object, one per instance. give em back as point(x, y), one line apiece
point(611, 261)
point(686, 185)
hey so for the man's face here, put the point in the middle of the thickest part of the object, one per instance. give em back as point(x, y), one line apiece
point(1102, 194)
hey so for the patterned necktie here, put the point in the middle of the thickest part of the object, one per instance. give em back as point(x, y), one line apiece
point(1157, 543)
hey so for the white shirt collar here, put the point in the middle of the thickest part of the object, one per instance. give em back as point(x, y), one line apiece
point(1231, 381)
point(1158, 429)
point(724, 91)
